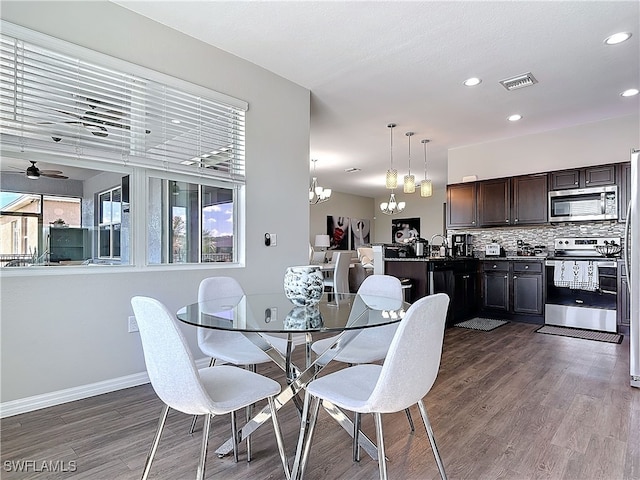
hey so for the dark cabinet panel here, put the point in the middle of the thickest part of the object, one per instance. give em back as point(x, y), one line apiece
point(416, 271)
point(529, 204)
point(600, 175)
point(494, 202)
point(461, 205)
point(495, 286)
point(584, 177)
point(625, 190)
point(565, 179)
point(527, 293)
point(513, 287)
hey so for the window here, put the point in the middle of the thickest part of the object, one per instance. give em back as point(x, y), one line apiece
point(109, 223)
point(190, 222)
point(95, 115)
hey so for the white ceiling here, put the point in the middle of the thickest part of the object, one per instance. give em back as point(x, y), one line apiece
point(371, 63)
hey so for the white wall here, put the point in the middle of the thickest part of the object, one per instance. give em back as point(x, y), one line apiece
point(608, 141)
point(429, 210)
point(343, 205)
point(65, 331)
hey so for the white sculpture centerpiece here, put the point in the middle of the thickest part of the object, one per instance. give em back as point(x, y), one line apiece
point(303, 285)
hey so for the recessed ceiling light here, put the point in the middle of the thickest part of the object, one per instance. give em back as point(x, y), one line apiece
point(630, 93)
point(617, 38)
point(514, 118)
point(472, 82)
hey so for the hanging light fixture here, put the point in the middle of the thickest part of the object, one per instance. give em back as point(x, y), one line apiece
point(392, 173)
point(317, 194)
point(392, 206)
point(426, 189)
point(409, 180)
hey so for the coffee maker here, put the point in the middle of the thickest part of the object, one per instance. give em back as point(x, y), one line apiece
point(462, 245)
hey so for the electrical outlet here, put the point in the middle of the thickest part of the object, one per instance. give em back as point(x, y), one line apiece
point(133, 325)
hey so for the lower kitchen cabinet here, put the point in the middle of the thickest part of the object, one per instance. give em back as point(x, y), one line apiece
point(458, 279)
point(513, 288)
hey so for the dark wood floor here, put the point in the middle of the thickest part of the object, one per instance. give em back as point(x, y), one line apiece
point(509, 404)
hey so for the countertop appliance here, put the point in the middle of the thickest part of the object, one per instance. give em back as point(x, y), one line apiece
point(582, 285)
point(421, 247)
point(632, 260)
point(493, 250)
point(584, 204)
point(462, 245)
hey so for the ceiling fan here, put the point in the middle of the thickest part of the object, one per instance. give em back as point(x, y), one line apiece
point(34, 173)
point(95, 120)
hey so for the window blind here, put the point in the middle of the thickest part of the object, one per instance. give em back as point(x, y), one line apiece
point(53, 102)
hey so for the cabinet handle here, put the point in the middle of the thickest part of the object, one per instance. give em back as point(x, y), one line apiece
point(465, 276)
point(575, 183)
point(526, 267)
point(587, 181)
point(507, 220)
point(506, 276)
point(495, 266)
point(516, 220)
point(514, 277)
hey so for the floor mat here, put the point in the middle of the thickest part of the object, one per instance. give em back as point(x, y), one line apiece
point(484, 324)
point(578, 333)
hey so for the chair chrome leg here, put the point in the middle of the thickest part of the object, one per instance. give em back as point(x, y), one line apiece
point(248, 412)
point(156, 440)
point(279, 441)
point(203, 449)
point(382, 459)
point(234, 435)
point(432, 439)
point(312, 425)
point(411, 425)
point(356, 434)
point(212, 362)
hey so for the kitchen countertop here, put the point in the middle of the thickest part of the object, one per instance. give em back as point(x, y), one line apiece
point(490, 259)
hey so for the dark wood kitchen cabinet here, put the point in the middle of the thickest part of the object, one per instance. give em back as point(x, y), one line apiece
point(513, 201)
point(530, 196)
point(494, 202)
point(583, 177)
point(625, 190)
point(462, 205)
point(513, 288)
point(458, 279)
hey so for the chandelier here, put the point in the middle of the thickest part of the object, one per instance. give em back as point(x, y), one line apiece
point(392, 207)
point(317, 194)
point(426, 189)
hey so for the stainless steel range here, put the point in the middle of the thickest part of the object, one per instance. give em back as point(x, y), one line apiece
point(582, 283)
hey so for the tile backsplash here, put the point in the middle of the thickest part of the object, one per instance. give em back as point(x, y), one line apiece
point(508, 237)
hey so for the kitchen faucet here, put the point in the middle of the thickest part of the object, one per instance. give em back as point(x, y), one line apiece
point(444, 246)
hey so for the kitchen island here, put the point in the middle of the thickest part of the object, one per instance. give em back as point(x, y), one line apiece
point(455, 276)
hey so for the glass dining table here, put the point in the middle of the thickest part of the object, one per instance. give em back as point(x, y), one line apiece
point(259, 316)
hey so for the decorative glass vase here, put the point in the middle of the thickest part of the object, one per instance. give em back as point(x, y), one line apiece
point(302, 318)
point(303, 285)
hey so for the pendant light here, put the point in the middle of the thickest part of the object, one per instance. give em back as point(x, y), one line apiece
point(392, 173)
point(409, 180)
point(426, 189)
point(317, 194)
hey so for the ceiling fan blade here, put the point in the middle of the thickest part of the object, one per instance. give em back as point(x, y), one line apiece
point(50, 175)
point(50, 172)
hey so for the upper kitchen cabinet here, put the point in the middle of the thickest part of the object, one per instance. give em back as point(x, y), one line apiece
point(625, 190)
point(513, 201)
point(583, 177)
point(529, 205)
point(462, 205)
point(493, 202)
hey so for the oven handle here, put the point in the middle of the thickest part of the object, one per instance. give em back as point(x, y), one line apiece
point(598, 263)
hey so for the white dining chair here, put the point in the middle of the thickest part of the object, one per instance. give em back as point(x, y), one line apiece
point(180, 385)
point(227, 346)
point(337, 282)
point(371, 344)
point(405, 378)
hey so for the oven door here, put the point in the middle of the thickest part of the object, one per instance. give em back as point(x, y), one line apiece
point(571, 306)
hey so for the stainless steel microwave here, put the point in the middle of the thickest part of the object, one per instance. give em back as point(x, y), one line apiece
point(584, 204)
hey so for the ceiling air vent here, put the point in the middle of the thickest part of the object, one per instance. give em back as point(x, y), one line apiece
point(519, 81)
point(351, 169)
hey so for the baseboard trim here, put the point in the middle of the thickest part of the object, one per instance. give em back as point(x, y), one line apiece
point(37, 402)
